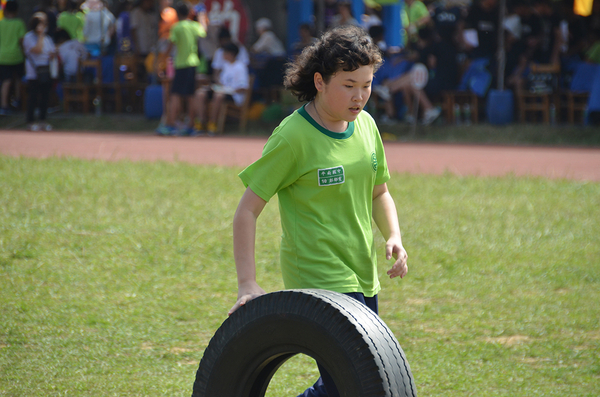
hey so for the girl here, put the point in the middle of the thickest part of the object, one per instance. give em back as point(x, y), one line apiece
point(327, 165)
point(39, 50)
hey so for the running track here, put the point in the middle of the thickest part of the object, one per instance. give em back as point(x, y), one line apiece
point(570, 163)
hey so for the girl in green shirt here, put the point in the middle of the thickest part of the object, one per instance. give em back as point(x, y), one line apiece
point(327, 165)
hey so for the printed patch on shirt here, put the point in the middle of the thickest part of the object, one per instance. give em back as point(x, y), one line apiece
point(331, 176)
point(374, 161)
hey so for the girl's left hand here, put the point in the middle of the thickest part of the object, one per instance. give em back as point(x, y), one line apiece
point(396, 250)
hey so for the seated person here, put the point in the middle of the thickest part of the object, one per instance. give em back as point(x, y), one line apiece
point(70, 51)
point(218, 62)
point(267, 43)
point(431, 54)
point(233, 86)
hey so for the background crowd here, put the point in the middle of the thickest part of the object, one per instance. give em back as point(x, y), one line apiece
point(456, 39)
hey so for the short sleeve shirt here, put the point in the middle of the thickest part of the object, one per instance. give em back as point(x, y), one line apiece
point(185, 34)
point(235, 75)
point(324, 181)
point(11, 31)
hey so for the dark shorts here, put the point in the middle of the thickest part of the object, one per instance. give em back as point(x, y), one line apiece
point(12, 71)
point(184, 82)
point(372, 303)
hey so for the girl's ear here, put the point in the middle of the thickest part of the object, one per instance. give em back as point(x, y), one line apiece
point(319, 82)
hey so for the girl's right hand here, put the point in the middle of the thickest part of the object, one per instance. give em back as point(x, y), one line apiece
point(245, 294)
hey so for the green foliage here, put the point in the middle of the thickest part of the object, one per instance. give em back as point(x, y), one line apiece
point(115, 275)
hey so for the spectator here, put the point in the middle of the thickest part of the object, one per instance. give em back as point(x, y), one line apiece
point(445, 20)
point(184, 37)
point(70, 51)
point(144, 28)
point(377, 33)
point(71, 20)
point(307, 38)
point(218, 62)
point(431, 54)
point(371, 16)
point(234, 82)
point(482, 20)
point(548, 50)
point(267, 42)
point(418, 18)
point(39, 49)
point(344, 15)
point(98, 27)
point(12, 31)
point(123, 27)
point(47, 7)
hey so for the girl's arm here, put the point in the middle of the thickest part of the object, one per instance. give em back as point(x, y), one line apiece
point(244, 239)
point(386, 218)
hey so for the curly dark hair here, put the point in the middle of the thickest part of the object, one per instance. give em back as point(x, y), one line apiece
point(344, 48)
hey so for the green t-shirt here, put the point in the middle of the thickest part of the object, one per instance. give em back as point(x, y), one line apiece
point(72, 23)
point(184, 34)
point(416, 11)
point(324, 181)
point(12, 30)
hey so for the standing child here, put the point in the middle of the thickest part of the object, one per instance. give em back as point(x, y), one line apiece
point(12, 31)
point(233, 86)
point(184, 36)
point(326, 163)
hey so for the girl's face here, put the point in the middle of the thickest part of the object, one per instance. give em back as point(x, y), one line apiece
point(346, 93)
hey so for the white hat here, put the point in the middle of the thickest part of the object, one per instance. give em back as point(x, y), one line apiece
point(263, 24)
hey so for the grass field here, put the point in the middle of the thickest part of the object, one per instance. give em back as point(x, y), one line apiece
point(114, 277)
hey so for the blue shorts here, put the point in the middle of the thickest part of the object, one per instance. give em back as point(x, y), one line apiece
point(184, 82)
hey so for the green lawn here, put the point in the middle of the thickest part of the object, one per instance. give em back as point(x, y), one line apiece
point(114, 276)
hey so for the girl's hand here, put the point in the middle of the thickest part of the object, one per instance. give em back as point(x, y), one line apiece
point(245, 294)
point(394, 248)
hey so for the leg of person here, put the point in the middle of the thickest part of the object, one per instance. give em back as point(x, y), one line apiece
point(324, 386)
point(32, 94)
point(44, 89)
point(5, 91)
point(217, 101)
point(201, 100)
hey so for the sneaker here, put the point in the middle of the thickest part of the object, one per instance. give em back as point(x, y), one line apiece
point(408, 118)
point(33, 127)
point(431, 115)
point(212, 128)
point(166, 130)
point(45, 127)
point(383, 92)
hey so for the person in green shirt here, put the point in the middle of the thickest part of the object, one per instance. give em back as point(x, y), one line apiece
point(71, 21)
point(12, 61)
point(327, 165)
point(184, 37)
point(418, 16)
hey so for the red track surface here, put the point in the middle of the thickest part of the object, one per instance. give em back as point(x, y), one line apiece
point(570, 163)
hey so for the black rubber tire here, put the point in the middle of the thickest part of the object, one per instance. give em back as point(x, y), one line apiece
point(353, 344)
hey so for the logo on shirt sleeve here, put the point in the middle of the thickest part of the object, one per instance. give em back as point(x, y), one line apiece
point(331, 176)
point(374, 161)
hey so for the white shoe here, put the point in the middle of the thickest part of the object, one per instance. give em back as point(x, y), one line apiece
point(383, 92)
point(431, 115)
point(46, 127)
point(34, 127)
